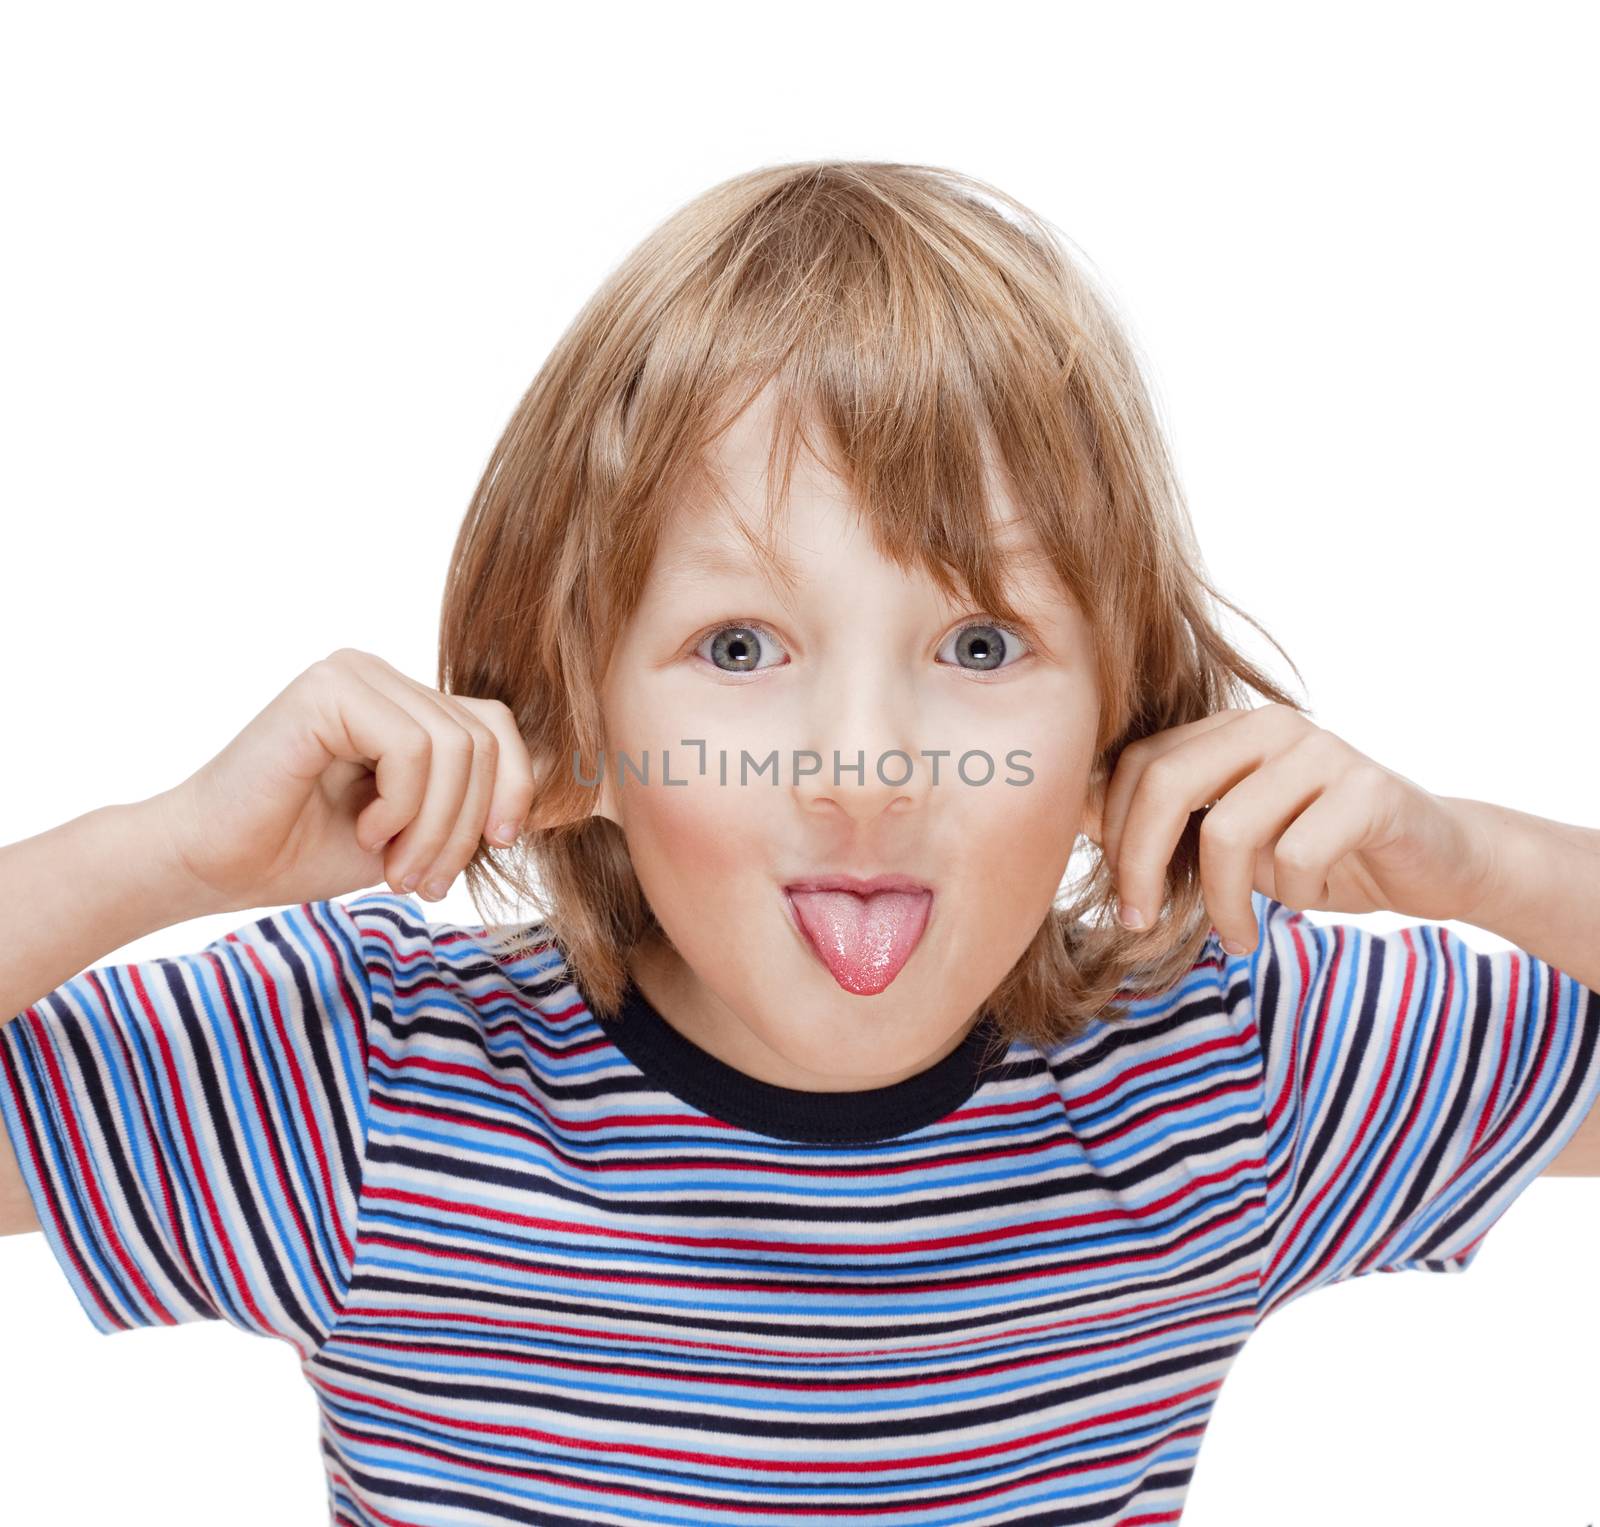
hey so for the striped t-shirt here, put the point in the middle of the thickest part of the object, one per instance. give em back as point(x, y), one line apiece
point(540, 1269)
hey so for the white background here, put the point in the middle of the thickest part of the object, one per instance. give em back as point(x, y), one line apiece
point(275, 277)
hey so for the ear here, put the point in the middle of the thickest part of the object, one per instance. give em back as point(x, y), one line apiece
point(1094, 807)
point(605, 804)
point(602, 803)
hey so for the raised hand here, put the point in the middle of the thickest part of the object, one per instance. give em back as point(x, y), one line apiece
point(1294, 812)
point(352, 774)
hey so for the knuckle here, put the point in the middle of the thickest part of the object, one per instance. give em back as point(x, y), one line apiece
point(325, 682)
point(1220, 833)
point(1369, 775)
point(454, 745)
point(323, 672)
point(485, 705)
point(476, 733)
point(1295, 722)
point(1160, 777)
point(1292, 857)
point(1275, 714)
point(418, 744)
point(480, 705)
point(1322, 741)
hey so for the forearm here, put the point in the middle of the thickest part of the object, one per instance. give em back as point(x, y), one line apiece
point(1543, 890)
point(74, 894)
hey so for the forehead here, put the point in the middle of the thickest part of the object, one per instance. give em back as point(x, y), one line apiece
point(717, 529)
point(703, 541)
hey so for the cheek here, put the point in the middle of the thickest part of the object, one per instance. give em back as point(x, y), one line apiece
point(698, 846)
point(700, 854)
point(1022, 829)
point(690, 843)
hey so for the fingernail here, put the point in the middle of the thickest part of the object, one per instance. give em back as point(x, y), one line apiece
point(1131, 917)
point(1232, 948)
point(410, 882)
point(434, 890)
point(506, 832)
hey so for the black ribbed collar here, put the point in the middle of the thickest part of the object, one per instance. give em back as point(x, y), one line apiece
point(676, 1065)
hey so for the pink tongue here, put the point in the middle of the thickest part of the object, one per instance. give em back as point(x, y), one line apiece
point(863, 940)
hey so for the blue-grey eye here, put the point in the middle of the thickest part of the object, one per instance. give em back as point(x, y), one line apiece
point(980, 647)
point(738, 649)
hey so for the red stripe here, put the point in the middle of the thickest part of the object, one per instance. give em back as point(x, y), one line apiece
point(267, 1133)
point(1375, 1097)
point(42, 1170)
point(308, 1111)
point(197, 1164)
point(109, 1237)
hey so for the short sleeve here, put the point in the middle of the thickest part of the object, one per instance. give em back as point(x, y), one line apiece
point(192, 1129)
point(1413, 1086)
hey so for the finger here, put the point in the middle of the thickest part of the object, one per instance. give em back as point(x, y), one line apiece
point(1131, 765)
point(466, 832)
point(355, 722)
point(449, 774)
point(499, 789)
point(1342, 819)
point(513, 780)
point(1201, 767)
point(1240, 834)
point(511, 774)
point(458, 786)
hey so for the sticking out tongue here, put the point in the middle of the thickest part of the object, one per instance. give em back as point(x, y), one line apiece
point(863, 940)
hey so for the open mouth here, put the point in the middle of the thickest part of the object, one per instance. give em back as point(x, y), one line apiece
point(863, 931)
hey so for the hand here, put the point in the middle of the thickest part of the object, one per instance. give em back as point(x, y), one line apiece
point(1299, 815)
point(353, 774)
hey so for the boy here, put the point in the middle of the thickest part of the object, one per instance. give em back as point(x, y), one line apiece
point(739, 1182)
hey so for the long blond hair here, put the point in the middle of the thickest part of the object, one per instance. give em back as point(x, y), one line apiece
point(921, 321)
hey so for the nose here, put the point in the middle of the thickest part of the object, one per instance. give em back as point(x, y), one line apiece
point(863, 748)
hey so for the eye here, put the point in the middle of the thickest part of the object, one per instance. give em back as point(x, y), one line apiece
point(981, 647)
point(737, 648)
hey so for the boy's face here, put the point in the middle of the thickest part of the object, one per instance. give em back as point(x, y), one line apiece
point(860, 660)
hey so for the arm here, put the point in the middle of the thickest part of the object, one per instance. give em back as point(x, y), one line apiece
point(69, 897)
point(16, 1209)
point(1580, 1156)
point(1543, 895)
